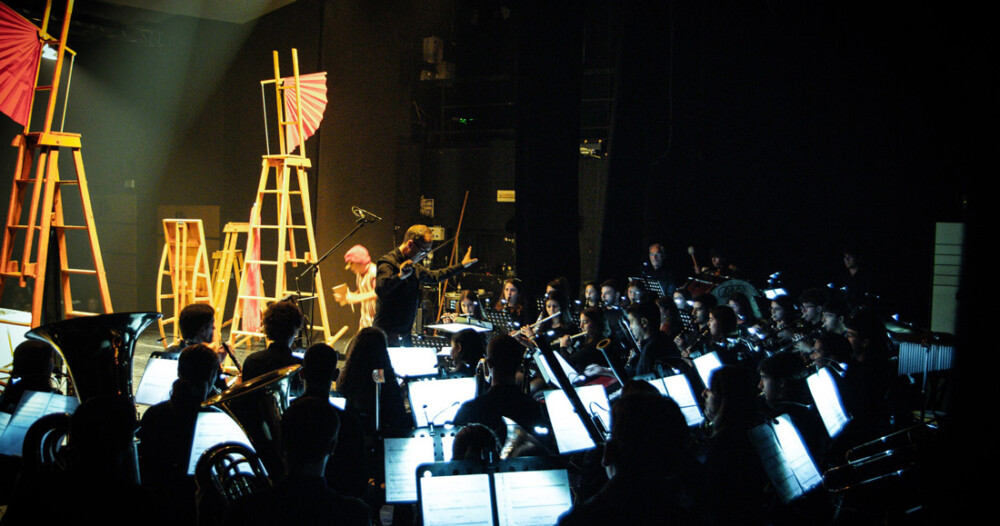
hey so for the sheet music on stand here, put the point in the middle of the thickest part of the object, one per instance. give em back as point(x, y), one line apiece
point(914, 356)
point(786, 460)
point(439, 400)
point(157, 380)
point(211, 428)
point(549, 376)
point(678, 389)
point(823, 388)
point(707, 364)
point(501, 321)
point(33, 406)
point(403, 455)
point(650, 284)
point(530, 491)
point(571, 435)
point(413, 362)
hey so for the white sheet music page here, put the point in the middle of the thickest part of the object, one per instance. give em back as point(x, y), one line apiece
point(827, 397)
point(157, 379)
point(679, 389)
point(571, 435)
point(211, 429)
point(532, 498)
point(402, 456)
point(33, 406)
point(458, 499)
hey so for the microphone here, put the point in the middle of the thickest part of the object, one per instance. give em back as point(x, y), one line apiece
point(363, 214)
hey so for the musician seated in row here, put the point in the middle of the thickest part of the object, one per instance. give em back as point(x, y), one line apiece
point(783, 383)
point(367, 353)
point(723, 338)
point(811, 302)
point(282, 322)
point(505, 397)
point(197, 325)
point(610, 294)
point(835, 311)
point(635, 293)
point(467, 348)
point(701, 306)
point(466, 307)
point(556, 304)
point(741, 306)
point(582, 351)
point(670, 317)
point(780, 330)
point(654, 346)
point(831, 350)
point(309, 430)
point(34, 362)
point(167, 430)
point(656, 270)
point(653, 477)
point(347, 471)
point(512, 301)
point(591, 295)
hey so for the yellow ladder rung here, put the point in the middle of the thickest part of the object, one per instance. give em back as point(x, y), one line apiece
point(261, 262)
point(70, 227)
point(80, 271)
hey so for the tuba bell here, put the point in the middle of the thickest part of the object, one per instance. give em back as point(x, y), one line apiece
point(257, 405)
point(97, 350)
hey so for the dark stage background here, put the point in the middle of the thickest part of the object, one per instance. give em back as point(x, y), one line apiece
point(778, 131)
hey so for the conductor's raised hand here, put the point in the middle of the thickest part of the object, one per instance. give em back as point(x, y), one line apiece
point(468, 260)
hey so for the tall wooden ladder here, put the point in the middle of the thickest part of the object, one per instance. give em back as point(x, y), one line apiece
point(185, 264)
point(37, 176)
point(227, 265)
point(287, 187)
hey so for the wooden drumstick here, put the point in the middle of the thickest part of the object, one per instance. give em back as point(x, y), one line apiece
point(697, 268)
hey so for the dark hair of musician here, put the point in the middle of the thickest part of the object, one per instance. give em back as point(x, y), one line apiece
point(518, 307)
point(504, 354)
point(735, 392)
point(367, 351)
point(598, 324)
point(281, 320)
point(648, 434)
point(416, 233)
point(319, 368)
point(560, 297)
point(102, 427)
point(610, 283)
point(646, 310)
point(468, 294)
point(708, 301)
point(309, 429)
point(561, 284)
point(815, 295)
point(789, 371)
point(476, 442)
point(746, 309)
point(472, 347)
point(672, 321)
point(786, 303)
point(33, 358)
point(194, 318)
point(872, 342)
point(838, 306)
point(197, 366)
point(636, 284)
point(726, 318)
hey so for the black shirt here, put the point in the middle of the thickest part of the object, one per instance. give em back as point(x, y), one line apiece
point(498, 402)
point(273, 358)
point(655, 348)
point(396, 306)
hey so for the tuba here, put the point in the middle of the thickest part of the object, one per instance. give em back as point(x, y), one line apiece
point(257, 405)
point(97, 350)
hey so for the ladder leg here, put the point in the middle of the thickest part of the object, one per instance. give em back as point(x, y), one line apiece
point(95, 246)
point(51, 170)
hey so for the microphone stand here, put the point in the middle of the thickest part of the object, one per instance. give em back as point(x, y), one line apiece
point(314, 268)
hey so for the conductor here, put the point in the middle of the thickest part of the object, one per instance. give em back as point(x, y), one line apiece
point(398, 279)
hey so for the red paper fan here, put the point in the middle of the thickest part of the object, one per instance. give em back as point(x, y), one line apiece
point(20, 49)
point(312, 88)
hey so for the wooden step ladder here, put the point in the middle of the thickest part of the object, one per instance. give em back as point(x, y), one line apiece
point(185, 263)
point(38, 152)
point(227, 264)
point(286, 188)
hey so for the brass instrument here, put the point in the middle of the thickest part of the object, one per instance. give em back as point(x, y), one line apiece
point(98, 352)
point(257, 405)
point(890, 457)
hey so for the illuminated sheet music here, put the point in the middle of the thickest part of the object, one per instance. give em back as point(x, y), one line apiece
point(452, 328)
point(157, 379)
point(785, 458)
point(827, 397)
point(211, 429)
point(447, 443)
point(442, 398)
point(571, 435)
point(678, 388)
point(33, 406)
point(339, 401)
point(413, 361)
point(706, 365)
point(402, 456)
point(458, 499)
point(530, 498)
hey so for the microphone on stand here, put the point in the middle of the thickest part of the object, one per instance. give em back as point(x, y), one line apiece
point(364, 215)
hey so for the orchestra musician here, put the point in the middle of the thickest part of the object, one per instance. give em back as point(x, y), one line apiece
point(701, 305)
point(591, 295)
point(655, 270)
point(467, 306)
point(512, 301)
point(644, 323)
point(399, 275)
point(197, 324)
